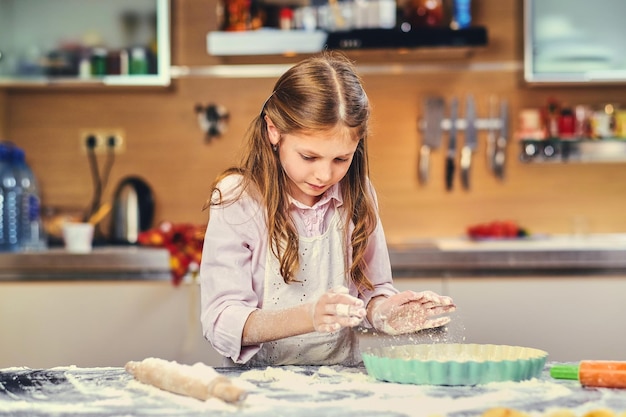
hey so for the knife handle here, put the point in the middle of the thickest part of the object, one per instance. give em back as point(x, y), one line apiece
point(490, 150)
point(499, 157)
point(424, 159)
point(466, 164)
point(449, 172)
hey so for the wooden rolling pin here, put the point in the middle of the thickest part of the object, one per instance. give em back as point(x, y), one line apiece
point(198, 381)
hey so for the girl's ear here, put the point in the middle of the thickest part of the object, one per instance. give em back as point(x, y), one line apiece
point(272, 131)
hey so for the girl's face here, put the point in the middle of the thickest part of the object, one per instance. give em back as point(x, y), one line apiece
point(313, 162)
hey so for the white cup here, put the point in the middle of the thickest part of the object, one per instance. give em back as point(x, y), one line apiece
point(78, 237)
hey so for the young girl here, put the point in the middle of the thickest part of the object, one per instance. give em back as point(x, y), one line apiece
point(294, 254)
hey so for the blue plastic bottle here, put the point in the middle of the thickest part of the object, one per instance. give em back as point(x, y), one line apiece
point(31, 234)
point(462, 14)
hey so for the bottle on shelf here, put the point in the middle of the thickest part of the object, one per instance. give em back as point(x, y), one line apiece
point(461, 14)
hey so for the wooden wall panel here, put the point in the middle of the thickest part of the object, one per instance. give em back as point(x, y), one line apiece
point(166, 147)
point(3, 121)
point(191, 22)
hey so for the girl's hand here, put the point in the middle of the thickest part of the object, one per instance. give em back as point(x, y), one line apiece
point(336, 309)
point(410, 311)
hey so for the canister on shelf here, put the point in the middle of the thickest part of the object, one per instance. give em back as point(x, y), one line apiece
point(603, 122)
point(583, 115)
point(567, 123)
point(99, 61)
point(420, 13)
point(530, 126)
point(286, 18)
point(138, 64)
point(234, 15)
point(620, 123)
point(305, 18)
point(552, 113)
point(386, 13)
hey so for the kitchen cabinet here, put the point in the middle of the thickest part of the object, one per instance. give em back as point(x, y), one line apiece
point(107, 323)
point(563, 294)
point(100, 323)
point(566, 42)
point(84, 43)
point(572, 317)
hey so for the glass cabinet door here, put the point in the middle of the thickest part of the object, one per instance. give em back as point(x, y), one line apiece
point(112, 42)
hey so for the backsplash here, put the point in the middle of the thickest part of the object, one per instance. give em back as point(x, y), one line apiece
point(165, 145)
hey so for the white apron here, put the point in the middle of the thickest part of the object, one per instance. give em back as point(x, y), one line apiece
point(323, 267)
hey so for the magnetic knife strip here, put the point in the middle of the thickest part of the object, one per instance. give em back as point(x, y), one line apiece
point(435, 122)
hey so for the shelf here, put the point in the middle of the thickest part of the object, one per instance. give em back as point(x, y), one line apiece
point(285, 42)
point(265, 42)
point(573, 150)
point(162, 79)
point(415, 38)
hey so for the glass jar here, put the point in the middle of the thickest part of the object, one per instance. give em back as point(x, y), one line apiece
point(424, 13)
point(234, 15)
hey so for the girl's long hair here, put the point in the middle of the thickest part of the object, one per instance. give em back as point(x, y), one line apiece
point(320, 93)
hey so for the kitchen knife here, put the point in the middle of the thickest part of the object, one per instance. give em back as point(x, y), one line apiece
point(490, 148)
point(434, 109)
point(451, 155)
point(470, 141)
point(501, 141)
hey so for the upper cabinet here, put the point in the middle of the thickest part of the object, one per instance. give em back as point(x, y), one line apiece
point(84, 43)
point(574, 42)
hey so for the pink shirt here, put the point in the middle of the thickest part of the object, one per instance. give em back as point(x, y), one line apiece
point(232, 272)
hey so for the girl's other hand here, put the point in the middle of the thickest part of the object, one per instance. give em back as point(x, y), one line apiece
point(336, 309)
point(411, 311)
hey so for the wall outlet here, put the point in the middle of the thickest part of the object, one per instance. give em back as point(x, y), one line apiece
point(103, 140)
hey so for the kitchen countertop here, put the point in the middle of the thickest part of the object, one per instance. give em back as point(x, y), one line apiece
point(556, 254)
point(290, 391)
point(103, 263)
point(559, 254)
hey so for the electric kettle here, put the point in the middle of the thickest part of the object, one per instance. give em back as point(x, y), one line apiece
point(133, 210)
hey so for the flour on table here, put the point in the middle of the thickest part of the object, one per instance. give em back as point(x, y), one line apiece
point(341, 387)
point(290, 390)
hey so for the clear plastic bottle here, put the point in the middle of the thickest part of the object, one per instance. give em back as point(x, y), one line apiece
point(4, 165)
point(31, 232)
point(12, 193)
